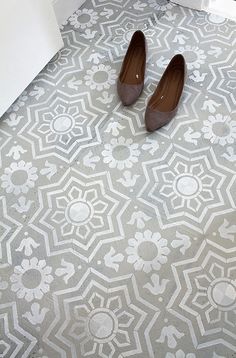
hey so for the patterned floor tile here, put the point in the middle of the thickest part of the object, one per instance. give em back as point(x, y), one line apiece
point(114, 242)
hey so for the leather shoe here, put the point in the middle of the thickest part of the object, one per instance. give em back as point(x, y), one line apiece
point(131, 79)
point(163, 105)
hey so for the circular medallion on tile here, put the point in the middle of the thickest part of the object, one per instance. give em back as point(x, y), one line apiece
point(79, 212)
point(222, 294)
point(215, 19)
point(62, 124)
point(187, 185)
point(102, 325)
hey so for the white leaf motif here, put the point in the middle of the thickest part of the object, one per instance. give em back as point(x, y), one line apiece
point(16, 151)
point(230, 154)
point(67, 270)
point(196, 76)
point(114, 128)
point(180, 39)
point(88, 34)
point(89, 160)
point(22, 206)
point(107, 12)
point(157, 286)
point(128, 180)
point(226, 231)
point(151, 145)
point(191, 137)
point(139, 6)
point(112, 259)
point(183, 242)
point(170, 333)
point(37, 315)
point(215, 51)
point(139, 218)
point(162, 62)
point(13, 120)
point(27, 245)
point(210, 105)
point(169, 16)
point(74, 83)
point(106, 97)
point(95, 58)
point(49, 170)
point(37, 92)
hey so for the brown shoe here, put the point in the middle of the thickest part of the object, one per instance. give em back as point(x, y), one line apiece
point(163, 105)
point(131, 79)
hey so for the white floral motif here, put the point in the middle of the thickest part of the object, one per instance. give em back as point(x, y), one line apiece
point(100, 77)
point(83, 18)
point(31, 280)
point(19, 177)
point(147, 251)
point(121, 153)
point(195, 57)
point(162, 5)
point(219, 129)
point(180, 354)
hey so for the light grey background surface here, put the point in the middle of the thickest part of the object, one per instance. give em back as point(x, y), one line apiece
point(115, 242)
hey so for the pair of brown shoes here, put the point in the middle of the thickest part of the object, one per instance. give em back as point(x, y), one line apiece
point(163, 105)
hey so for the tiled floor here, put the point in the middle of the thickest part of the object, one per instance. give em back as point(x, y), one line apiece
point(114, 242)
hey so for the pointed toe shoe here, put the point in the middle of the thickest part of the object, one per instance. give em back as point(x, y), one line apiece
point(131, 78)
point(163, 105)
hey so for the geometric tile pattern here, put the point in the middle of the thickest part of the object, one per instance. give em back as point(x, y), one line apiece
point(115, 242)
point(206, 297)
